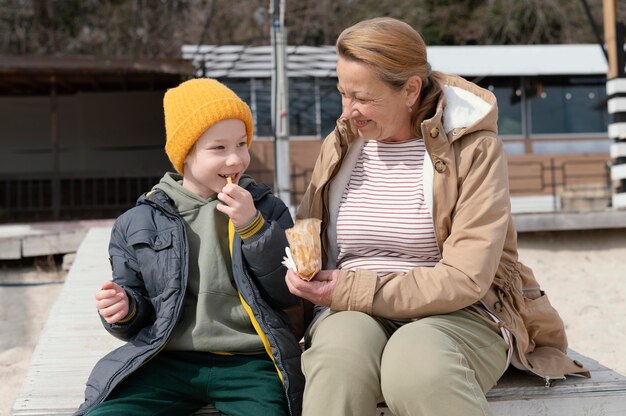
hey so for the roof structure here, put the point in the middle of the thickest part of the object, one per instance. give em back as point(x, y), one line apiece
point(36, 74)
point(238, 61)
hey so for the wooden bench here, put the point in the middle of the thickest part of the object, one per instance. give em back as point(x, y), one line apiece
point(73, 340)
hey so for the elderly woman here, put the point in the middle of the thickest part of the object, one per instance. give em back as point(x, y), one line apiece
point(422, 302)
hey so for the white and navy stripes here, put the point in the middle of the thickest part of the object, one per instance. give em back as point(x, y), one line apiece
point(383, 223)
point(616, 93)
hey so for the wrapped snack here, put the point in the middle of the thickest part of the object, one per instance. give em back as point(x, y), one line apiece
point(306, 247)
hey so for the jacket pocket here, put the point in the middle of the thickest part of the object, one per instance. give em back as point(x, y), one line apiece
point(153, 253)
point(543, 323)
point(156, 241)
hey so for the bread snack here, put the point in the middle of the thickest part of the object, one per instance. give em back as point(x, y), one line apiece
point(306, 247)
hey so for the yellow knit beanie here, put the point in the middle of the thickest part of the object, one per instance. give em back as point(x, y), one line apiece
point(194, 106)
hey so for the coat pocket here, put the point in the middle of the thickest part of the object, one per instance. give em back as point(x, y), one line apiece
point(543, 323)
point(153, 251)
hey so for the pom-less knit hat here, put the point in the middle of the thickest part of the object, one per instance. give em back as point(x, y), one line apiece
point(194, 106)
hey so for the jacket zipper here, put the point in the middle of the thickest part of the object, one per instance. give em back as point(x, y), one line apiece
point(153, 354)
point(263, 327)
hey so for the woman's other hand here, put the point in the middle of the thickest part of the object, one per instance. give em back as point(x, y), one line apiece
point(318, 290)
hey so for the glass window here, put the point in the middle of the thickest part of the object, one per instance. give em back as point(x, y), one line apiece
point(262, 110)
point(508, 92)
point(330, 104)
point(567, 105)
point(302, 111)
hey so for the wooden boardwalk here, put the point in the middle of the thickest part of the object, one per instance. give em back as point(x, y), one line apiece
point(73, 340)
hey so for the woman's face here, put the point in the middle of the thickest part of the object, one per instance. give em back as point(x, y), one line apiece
point(378, 111)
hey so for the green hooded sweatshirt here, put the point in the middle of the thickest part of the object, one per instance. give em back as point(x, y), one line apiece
point(214, 319)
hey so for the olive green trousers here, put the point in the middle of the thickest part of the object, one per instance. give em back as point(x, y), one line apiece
point(436, 366)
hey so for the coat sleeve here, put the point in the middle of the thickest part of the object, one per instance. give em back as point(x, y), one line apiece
point(264, 253)
point(126, 274)
point(470, 255)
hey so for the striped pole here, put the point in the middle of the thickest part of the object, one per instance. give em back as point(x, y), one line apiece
point(616, 94)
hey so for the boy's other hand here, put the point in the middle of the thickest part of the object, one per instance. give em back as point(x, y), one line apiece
point(112, 302)
point(237, 204)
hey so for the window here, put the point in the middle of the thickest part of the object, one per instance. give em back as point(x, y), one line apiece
point(330, 104)
point(302, 108)
point(561, 105)
point(508, 92)
point(262, 92)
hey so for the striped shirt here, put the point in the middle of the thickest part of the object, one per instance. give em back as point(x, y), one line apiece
point(383, 222)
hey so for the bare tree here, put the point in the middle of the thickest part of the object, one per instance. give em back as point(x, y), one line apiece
point(151, 28)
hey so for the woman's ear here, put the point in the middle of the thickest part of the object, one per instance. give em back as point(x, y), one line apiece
point(413, 87)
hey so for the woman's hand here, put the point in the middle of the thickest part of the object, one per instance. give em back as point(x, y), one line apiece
point(318, 290)
point(112, 302)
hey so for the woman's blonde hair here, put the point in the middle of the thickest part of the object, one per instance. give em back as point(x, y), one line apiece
point(396, 52)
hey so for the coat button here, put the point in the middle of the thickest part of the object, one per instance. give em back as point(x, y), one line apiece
point(434, 132)
point(440, 166)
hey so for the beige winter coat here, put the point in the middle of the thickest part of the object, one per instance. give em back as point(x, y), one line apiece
point(472, 219)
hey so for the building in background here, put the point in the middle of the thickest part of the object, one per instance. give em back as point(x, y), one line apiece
point(551, 98)
point(552, 110)
point(83, 137)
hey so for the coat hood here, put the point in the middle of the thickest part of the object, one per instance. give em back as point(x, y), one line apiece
point(466, 108)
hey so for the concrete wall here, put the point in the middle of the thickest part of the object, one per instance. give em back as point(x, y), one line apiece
point(114, 133)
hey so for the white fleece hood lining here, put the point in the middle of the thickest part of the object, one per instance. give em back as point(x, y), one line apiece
point(463, 108)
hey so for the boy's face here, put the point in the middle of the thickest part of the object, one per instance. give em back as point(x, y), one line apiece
point(220, 152)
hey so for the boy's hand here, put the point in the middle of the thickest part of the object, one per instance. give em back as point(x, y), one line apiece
point(112, 302)
point(237, 204)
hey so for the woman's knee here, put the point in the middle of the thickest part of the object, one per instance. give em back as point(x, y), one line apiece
point(415, 359)
point(345, 343)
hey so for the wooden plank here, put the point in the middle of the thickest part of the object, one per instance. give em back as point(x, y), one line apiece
point(51, 243)
point(73, 340)
point(10, 248)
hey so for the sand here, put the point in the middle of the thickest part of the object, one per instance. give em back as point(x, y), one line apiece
point(23, 313)
point(584, 274)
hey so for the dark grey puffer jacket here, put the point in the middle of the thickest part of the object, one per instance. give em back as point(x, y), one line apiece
point(149, 257)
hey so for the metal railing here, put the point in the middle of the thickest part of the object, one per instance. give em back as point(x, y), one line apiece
point(33, 198)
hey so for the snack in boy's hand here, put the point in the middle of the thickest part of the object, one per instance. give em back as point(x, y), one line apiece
point(306, 247)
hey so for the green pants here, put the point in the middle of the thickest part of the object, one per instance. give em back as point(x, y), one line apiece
point(436, 366)
point(180, 383)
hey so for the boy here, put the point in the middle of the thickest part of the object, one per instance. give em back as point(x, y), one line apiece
point(197, 278)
